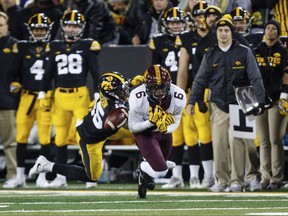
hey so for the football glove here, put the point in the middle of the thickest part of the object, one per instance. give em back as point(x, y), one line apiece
point(161, 125)
point(283, 106)
point(169, 119)
point(118, 19)
point(44, 102)
point(15, 87)
point(137, 80)
point(156, 114)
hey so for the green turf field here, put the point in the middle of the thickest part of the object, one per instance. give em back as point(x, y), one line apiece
point(121, 199)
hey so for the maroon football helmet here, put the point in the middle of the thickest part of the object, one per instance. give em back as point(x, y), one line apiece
point(157, 80)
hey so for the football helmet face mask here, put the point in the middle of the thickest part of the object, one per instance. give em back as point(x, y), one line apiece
point(73, 24)
point(157, 81)
point(241, 19)
point(39, 27)
point(114, 86)
point(174, 14)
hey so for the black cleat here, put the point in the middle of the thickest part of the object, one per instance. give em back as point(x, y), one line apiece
point(142, 190)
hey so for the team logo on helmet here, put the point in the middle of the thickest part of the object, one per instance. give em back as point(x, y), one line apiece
point(114, 86)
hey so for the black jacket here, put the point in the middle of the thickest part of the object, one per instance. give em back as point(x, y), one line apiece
point(272, 62)
point(220, 71)
point(8, 100)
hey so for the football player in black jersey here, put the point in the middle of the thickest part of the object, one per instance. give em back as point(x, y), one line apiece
point(200, 129)
point(29, 68)
point(91, 135)
point(70, 60)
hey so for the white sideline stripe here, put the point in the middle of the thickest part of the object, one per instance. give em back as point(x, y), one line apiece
point(168, 193)
point(136, 201)
point(268, 213)
point(148, 210)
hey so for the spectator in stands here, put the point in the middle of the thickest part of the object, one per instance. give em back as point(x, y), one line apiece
point(29, 71)
point(215, 74)
point(11, 8)
point(148, 26)
point(271, 126)
point(38, 6)
point(100, 25)
point(8, 102)
point(119, 9)
point(155, 112)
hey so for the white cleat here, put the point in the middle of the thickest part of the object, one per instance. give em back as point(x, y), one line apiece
point(170, 164)
point(41, 181)
point(174, 183)
point(15, 183)
point(59, 182)
point(39, 166)
point(194, 183)
point(90, 185)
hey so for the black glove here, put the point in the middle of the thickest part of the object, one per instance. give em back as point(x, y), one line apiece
point(202, 106)
point(256, 110)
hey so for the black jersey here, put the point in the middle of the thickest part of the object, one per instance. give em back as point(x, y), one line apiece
point(29, 64)
point(69, 63)
point(272, 62)
point(166, 53)
point(91, 130)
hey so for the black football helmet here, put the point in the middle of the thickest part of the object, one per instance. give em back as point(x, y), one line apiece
point(197, 11)
point(199, 8)
point(73, 18)
point(174, 14)
point(157, 81)
point(240, 14)
point(114, 86)
point(39, 21)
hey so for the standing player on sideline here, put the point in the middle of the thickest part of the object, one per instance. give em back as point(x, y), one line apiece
point(200, 129)
point(29, 67)
point(165, 51)
point(155, 112)
point(69, 63)
point(91, 135)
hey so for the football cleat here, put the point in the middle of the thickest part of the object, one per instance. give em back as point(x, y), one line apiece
point(174, 182)
point(194, 183)
point(40, 166)
point(142, 190)
point(15, 183)
point(59, 182)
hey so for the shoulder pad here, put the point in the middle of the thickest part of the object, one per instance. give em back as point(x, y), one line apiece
point(95, 46)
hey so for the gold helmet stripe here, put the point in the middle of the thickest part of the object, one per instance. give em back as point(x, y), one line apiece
point(157, 74)
point(73, 16)
point(174, 12)
point(39, 20)
point(114, 75)
point(237, 11)
point(201, 5)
